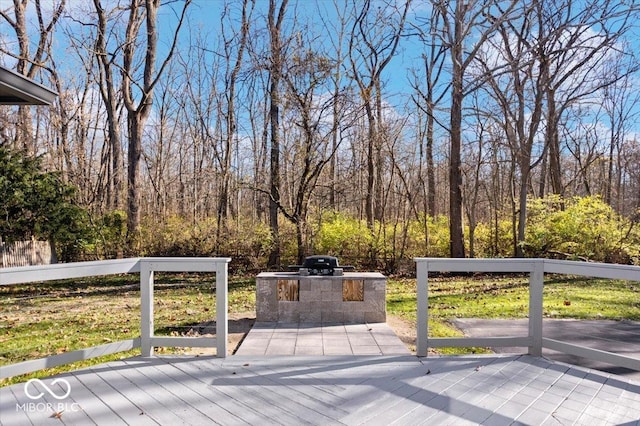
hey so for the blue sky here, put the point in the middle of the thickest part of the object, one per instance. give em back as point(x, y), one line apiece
point(205, 14)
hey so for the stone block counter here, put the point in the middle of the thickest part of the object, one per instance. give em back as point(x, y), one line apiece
point(355, 297)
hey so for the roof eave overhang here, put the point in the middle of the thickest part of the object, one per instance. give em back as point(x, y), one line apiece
point(16, 89)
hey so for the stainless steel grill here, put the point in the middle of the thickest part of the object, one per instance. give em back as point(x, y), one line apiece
point(321, 265)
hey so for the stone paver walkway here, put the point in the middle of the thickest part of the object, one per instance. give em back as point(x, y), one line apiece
point(277, 338)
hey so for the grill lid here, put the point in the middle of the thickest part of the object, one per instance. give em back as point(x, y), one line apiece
point(320, 265)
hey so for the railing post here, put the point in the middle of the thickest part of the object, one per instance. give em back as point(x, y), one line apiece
point(536, 286)
point(422, 329)
point(222, 316)
point(146, 308)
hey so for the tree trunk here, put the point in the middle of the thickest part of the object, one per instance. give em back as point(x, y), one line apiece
point(522, 210)
point(456, 241)
point(135, 127)
point(274, 174)
point(553, 141)
point(275, 25)
point(231, 125)
point(302, 252)
point(138, 110)
point(108, 93)
point(431, 172)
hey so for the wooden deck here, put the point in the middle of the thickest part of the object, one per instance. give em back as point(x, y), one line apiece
point(326, 390)
point(338, 379)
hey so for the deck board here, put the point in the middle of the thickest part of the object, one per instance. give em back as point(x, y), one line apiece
point(165, 380)
point(152, 400)
point(350, 390)
point(9, 414)
point(236, 401)
point(234, 409)
point(321, 408)
point(107, 403)
point(197, 396)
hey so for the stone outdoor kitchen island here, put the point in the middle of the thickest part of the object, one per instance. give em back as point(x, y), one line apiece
point(355, 297)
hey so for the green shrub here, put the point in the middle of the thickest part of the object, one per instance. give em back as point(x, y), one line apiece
point(575, 228)
point(36, 203)
point(580, 228)
point(432, 242)
point(492, 242)
point(110, 235)
point(178, 236)
point(342, 235)
point(350, 239)
point(248, 237)
point(242, 238)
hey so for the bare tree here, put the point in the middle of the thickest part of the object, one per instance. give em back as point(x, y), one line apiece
point(258, 118)
point(474, 171)
point(274, 21)
point(108, 86)
point(465, 28)
point(430, 88)
point(310, 151)
point(161, 157)
point(28, 62)
point(619, 102)
point(574, 42)
point(538, 75)
point(230, 117)
point(337, 32)
point(520, 101)
point(199, 93)
point(374, 40)
point(138, 103)
point(427, 98)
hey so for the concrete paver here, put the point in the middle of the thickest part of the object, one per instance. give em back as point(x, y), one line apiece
point(276, 338)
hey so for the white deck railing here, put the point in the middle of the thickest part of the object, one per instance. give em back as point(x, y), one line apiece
point(147, 340)
point(536, 268)
point(146, 267)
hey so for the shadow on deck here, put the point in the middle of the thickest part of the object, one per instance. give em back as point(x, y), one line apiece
point(325, 390)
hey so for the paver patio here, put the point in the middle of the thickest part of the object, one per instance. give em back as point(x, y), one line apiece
point(272, 339)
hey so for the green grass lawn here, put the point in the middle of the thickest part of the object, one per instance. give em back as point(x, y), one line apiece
point(37, 320)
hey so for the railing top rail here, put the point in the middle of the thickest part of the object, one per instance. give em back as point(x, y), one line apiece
point(593, 269)
point(188, 259)
point(58, 271)
point(478, 265)
point(184, 264)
